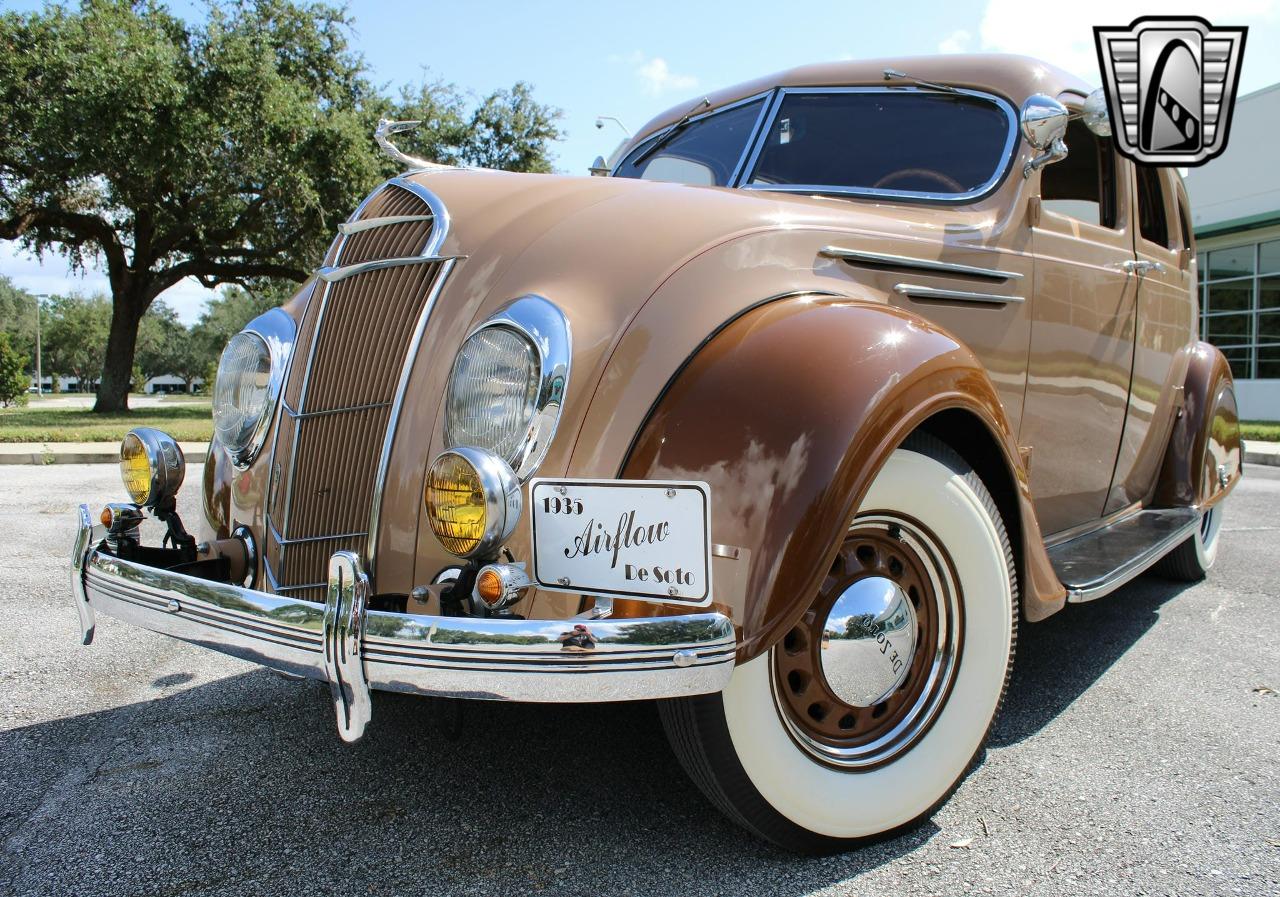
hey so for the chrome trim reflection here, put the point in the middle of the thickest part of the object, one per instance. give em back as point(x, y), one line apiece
point(859, 256)
point(573, 660)
point(868, 641)
point(344, 616)
point(545, 326)
point(81, 551)
point(916, 291)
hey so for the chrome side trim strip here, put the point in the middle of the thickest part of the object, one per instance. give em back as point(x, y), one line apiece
point(388, 439)
point(916, 291)
point(858, 256)
point(344, 614)
point(335, 273)
point(80, 553)
point(1135, 567)
point(347, 228)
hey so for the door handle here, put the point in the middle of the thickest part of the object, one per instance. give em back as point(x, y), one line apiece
point(1142, 267)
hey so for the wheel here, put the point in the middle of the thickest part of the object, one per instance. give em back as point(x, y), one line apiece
point(1191, 560)
point(872, 708)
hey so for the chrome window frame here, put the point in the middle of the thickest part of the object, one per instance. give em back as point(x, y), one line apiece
point(736, 172)
point(545, 326)
point(1003, 166)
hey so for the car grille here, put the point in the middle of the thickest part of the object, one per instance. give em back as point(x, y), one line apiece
point(342, 392)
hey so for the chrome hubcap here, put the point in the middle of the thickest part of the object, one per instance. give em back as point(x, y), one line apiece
point(868, 641)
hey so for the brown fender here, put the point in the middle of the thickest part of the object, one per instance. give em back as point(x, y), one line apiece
point(1203, 461)
point(788, 413)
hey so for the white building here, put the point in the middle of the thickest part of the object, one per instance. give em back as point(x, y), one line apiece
point(1235, 211)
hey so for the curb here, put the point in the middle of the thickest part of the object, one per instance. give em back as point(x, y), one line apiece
point(1270, 459)
point(108, 454)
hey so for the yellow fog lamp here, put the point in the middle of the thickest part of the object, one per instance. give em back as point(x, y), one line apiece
point(152, 466)
point(473, 501)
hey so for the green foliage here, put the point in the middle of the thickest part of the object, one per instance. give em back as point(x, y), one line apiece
point(14, 379)
point(226, 150)
point(18, 318)
point(75, 337)
point(1260, 430)
point(185, 420)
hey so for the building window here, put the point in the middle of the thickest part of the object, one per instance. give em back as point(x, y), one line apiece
point(1240, 306)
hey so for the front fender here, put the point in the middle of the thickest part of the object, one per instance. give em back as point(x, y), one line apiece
point(788, 413)
point(1203, 460)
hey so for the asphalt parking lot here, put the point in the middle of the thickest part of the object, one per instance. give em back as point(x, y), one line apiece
point(1139, 753)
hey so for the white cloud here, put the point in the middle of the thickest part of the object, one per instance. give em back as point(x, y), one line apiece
point(655, 74)
point(1063, 34)
point(53, 276)
point(956, 42)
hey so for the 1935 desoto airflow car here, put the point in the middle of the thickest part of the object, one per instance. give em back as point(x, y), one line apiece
point(788, 422)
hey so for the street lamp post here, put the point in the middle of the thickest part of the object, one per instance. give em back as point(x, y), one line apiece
point(39, 368)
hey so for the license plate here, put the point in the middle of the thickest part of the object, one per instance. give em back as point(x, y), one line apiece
point(629, 538)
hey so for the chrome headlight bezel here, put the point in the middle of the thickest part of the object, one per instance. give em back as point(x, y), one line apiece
point(277, 332)
point(545, 327)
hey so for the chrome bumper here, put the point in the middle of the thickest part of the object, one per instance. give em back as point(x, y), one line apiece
point(355, 649)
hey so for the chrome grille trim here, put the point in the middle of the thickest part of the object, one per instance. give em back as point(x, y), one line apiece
point(304, 415)
point(347, 228)
point(334, 273)
point(296, 410)
point(380, 482)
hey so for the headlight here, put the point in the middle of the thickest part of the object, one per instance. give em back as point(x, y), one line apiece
point(508, 384)
point(250, 373)
point(240, 394)
point(473, 501)
point(151, 466)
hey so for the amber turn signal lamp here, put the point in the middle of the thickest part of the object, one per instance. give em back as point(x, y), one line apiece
point(489, 587)
point(106, 517)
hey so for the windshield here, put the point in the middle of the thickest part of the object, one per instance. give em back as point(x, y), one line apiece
point(704, 152)
point(942, 145)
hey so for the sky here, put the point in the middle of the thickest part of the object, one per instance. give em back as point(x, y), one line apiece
point(632, 61)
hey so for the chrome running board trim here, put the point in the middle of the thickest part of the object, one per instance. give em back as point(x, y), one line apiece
point(1098, 563)
point(858, 256)
point(916, 291)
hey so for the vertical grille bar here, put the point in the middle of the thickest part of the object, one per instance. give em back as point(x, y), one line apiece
point(360, 336)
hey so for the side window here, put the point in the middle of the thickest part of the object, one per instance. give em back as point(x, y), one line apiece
point(704, 152)
point(1152, 223)
point(1184, 217)
point(1083, 185)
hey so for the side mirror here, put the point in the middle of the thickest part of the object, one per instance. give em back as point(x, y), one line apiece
point(599, 168)
point(1044, 124)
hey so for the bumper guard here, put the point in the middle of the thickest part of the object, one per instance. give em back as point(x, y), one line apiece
point(356, 649)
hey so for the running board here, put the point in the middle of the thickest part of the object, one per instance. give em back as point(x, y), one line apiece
point(1099, 562)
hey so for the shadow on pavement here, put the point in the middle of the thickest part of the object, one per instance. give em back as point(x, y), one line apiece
point(1060, 658)
point(242, 786)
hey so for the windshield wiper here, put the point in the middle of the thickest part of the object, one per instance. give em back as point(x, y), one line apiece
point(894, 74)
point(665, 137)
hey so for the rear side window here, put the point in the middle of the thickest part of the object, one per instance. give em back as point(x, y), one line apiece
point(1152, 222)
point(886, 141)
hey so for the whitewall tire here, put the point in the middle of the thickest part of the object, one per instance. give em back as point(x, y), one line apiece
point(802, 747)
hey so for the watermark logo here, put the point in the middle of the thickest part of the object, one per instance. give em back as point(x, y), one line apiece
point(1171, 84)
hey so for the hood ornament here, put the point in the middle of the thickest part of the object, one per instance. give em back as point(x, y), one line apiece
point(387, 127)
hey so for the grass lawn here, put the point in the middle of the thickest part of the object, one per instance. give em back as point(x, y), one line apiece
point(186, 421)
point(1262, 430)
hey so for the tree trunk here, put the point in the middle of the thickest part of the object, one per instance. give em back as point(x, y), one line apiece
point(122, 341)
